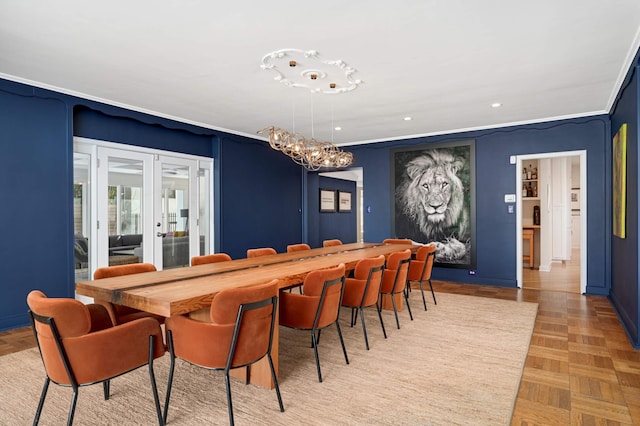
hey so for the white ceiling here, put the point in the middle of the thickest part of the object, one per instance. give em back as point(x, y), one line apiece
point(441, 62)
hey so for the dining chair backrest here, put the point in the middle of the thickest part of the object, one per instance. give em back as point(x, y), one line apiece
point(397, 241)
point(327, 287)
point(396, 270)
point(331, 243)
point(421, 267)
point(210, 258)
point(297, 247)
point(371, 272)
point(264, 251)
point(120, 313)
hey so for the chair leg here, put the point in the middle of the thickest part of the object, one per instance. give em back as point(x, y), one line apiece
point(424, 302)
point(354, 316)
point(227, 383)
point(172, 364)
point(379, 309)
point(314, 343)
point(344, 348)
point(395, 310)
point(43, 395)
point(106, 388)
point(409, 308)
point(152, 378)
point(72, 408)
point(364, 328)
point(275, 382)
point(432, 293)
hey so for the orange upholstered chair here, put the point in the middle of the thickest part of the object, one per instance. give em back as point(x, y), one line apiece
point(317, 307)
point(264, 251)
point(79, 346)
point(397, 241)
point(363, 290)
point(297, 247)
point(120, 314)
point(394, 280)
point(331, 243)
point(420, 270)
point(210, 258)
point(239, 334)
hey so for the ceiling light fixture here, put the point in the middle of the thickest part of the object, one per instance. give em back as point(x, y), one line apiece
point(407, 118)
point(306, 69)
point(496, 105)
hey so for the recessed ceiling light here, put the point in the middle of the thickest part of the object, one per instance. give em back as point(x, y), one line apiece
point(407, 119)
point(496, 105)
point(338, 128)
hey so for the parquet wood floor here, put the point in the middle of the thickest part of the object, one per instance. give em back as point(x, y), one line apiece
point(580, 370)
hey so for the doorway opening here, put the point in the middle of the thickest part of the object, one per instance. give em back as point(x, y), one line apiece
point(552, 221)
point(353, 174)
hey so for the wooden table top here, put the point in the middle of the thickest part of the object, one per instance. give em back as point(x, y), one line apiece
point(183, 290)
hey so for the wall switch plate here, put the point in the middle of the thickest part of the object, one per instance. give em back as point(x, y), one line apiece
point(509, 198)
point(510, 209)
point(512, 159)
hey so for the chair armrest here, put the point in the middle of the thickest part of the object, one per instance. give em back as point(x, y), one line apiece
point(107, 353)
point(100, 318)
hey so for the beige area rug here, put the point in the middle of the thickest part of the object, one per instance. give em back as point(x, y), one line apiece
point(459, 363)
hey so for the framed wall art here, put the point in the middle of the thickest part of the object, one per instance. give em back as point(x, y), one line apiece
point(620, 182)
point(327, 200)
point(344, 201)
point(434, 199)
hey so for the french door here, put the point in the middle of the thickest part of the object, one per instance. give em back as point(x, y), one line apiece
point(138, 205)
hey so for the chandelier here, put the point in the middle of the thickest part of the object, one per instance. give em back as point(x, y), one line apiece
point(309, 153)
point(316, 71)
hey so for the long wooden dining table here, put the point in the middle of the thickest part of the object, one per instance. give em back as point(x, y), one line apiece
point(190, 290)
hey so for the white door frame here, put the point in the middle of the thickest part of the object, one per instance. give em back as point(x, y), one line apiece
point(98, 148)
point(583, 210)
point(194, 245)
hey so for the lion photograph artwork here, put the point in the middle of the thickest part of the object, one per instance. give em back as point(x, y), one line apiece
point(433, 199)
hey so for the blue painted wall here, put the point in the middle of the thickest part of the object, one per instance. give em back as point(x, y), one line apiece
point(261, 191)
point(624, 252)
point(257, 191)
point(495, 228)
point(35, 171)
point(330, 225)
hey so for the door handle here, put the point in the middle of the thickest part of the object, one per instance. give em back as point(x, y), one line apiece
point(160, 234)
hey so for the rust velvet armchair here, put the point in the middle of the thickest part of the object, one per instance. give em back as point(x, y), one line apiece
point(79, 346)
point(120, 314)
point(363, 290)
point(394, 280)
point(240, 333)
point(317, 307)
point(420, 270)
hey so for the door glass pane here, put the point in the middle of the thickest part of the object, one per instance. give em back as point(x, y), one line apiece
point(125, 213)
point(205, 220)
point(175, 216)
point(81, 215)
